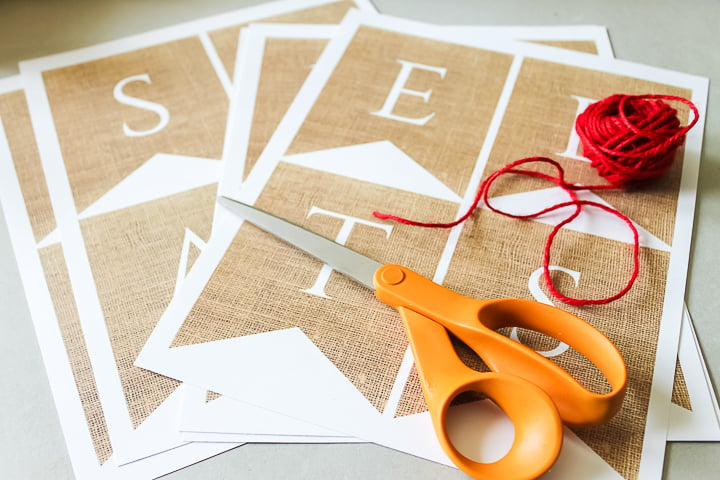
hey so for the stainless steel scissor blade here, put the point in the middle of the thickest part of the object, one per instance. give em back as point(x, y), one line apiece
point(341, 258)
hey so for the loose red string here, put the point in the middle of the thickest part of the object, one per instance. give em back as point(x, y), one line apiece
point(629, 139)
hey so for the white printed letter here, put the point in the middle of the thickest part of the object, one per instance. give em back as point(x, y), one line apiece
point(121, 97)
point(318, 288)
point(574, 141)
point(399, 88)
point(537, 292)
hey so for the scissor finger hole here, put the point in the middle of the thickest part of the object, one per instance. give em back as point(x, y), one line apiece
point(515, 433)
point(565, 356)
point(478, 428)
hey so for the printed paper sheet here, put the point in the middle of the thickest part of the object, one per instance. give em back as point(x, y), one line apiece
point(422, 154)
point(29, 215)
point(273, 62)
point(130, 134)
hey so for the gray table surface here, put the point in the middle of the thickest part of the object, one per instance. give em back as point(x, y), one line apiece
point(677, 35)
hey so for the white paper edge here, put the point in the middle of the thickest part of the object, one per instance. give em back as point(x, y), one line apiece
point(702, 423)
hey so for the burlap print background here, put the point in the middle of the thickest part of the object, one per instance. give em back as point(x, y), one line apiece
point(567, 83)
point(505, 252)
point(56, 273)
point(681, 394)
point(576, 45)
point(448, 145)
point(226, 39)
point(18, 129)
point(32, 182)
point(286, 64)
point(26, 160)
point(139, 249)
point(493, 257)
point(135, 252)
point(97, 154)
point(358, 199)
point(262, 284)
point(539, 122)
point(90, 121)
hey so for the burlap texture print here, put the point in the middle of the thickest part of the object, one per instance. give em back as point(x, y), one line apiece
point(496, 256)
point(540, 119)
point(21, 139)
point(680, 392)
point(225, 42)
point(503, 260)
point(210, 396)
point(329, 13)
point(58, 281)
point(135, 256)
point(286, 64)
point(17, 126)
point(344, 112)
point(104, 139)
point(262, 284)
point(135, 252)
point(584, 46)
point(226, 39)
point(112, 115)
point(465, 85)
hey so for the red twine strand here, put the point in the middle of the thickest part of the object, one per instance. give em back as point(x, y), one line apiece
point(629, 139)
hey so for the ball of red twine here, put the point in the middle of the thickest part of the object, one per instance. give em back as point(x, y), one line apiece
point(632, 139)
point(629, 139)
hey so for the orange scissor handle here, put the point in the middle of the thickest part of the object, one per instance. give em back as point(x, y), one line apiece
point(475, 321)
point(538, 427)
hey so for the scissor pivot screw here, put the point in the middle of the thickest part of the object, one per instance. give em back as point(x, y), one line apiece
point(392, 275)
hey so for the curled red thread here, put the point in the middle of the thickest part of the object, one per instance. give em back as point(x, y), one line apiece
point(629, 139)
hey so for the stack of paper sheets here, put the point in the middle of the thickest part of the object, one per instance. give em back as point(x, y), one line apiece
point(171, 331)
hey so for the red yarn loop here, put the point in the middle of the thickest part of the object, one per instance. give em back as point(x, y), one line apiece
point(482, 195)
point(632, 139)
point(629, 139)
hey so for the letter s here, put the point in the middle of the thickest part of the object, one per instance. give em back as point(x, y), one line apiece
point(160, 110)
point(540, 296)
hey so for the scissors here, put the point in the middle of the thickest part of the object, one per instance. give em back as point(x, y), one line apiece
point(537, 395)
